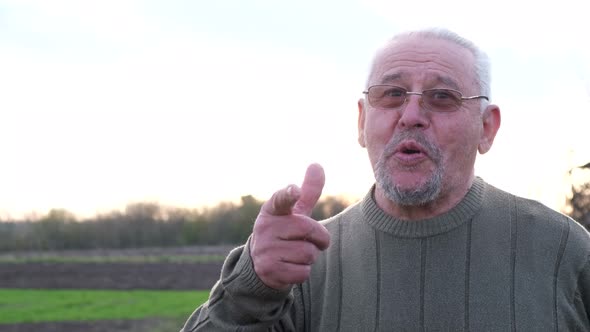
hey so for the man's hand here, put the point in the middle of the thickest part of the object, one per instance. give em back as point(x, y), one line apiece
point(286, 240)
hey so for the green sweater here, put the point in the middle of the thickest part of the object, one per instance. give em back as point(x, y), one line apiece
point(495, 262)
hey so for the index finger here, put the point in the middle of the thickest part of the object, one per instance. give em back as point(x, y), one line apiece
point(281, 203)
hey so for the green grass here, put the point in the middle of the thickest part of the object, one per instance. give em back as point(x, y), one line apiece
point(28, 306)
point(113, 259)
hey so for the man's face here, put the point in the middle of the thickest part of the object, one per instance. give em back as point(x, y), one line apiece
point(419, 156)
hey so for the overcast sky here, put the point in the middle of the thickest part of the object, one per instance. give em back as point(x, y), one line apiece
point(187, 103)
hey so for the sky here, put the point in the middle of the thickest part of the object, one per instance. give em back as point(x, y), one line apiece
point(189, 103)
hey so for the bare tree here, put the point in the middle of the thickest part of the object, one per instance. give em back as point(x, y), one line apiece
point(579, 203)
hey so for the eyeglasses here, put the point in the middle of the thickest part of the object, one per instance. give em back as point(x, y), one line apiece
point(436, 100)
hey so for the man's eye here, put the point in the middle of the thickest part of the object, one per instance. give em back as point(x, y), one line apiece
point(394, 93)
point(441, 95)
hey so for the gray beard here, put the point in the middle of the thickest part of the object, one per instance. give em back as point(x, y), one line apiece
point(421, 195)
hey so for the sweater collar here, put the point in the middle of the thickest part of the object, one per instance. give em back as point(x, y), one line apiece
point(445, 222)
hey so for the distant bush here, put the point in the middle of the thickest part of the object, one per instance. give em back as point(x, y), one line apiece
point(144, 225)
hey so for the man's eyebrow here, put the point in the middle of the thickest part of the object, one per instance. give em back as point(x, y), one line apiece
point(391, 78)
point(448, 81)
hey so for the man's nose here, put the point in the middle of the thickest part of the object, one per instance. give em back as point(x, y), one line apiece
point(413, 113)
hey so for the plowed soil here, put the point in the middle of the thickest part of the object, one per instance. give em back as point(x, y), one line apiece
point(121, 276)
point(126, 273)
point(196, 276)
point(145, 325)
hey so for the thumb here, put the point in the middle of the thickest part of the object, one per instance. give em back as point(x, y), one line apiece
point(311, 189)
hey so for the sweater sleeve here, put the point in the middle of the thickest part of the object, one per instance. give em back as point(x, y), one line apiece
point(240, 301)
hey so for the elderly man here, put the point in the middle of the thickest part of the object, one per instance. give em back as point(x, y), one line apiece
point(431, 247)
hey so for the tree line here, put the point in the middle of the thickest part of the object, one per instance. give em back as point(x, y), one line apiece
point(145, 225)
point(578, 202)
point(152, 225)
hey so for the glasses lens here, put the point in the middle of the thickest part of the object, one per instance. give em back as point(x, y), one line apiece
point(442, 100)
point(386, 96)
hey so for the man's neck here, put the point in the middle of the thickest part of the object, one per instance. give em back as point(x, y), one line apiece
point(448, 199)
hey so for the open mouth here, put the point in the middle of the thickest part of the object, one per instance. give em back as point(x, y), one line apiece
point(410, 148)
point(410, 151)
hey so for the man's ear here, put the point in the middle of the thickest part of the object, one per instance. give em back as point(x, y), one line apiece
point(361, 122)
point(491, 123)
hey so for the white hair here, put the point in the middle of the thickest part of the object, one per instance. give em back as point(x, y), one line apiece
point(482, 62)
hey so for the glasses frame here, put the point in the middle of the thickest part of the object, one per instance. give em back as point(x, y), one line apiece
point(410, 93)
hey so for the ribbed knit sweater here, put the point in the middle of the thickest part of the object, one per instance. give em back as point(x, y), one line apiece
point(495, 262)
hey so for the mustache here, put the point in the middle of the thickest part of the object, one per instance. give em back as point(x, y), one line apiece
point(430, 147)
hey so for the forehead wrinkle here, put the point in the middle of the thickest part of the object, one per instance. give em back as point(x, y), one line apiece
point(442, 79)
point(403, 52)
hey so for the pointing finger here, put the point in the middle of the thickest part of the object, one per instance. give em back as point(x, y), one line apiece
point(281, 203)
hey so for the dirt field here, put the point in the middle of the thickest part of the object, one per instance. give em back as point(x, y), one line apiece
point(133, 275)
point(146, 325)
point(109, 275)
point(178, 276)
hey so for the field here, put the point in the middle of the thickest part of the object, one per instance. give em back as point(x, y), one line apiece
point(105, 290)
